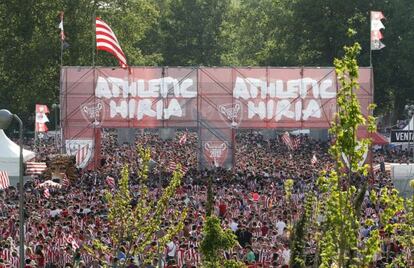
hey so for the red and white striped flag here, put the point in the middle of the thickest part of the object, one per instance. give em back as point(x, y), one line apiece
point(81, 154)
point(314, 160)
point(110, 181)
point(65, 180)
point(268, 202)
point(35, 168)
point(46, 193)
point(296, 142)
point(70, 240)
point(287, 141)
point(183, 139)
point(107, 41)
point(4, 180)
point(173, 166)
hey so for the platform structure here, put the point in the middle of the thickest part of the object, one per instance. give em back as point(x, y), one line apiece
point(216, 101)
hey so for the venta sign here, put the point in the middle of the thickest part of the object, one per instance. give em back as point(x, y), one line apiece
point(402, 136)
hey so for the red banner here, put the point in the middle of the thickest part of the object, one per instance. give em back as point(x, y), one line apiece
point(215, 100)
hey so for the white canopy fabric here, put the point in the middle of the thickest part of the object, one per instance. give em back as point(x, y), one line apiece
point(410, 125)
point(9, 155)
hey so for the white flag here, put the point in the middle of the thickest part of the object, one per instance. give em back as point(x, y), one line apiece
point(314, 160)
point(377, 45)
point(41, 118)
point(376, 25)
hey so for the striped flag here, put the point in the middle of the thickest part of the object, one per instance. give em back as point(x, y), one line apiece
point(110, 181)
point(46, 193)
point(70, 240)
point(35, 168)
point(387, 167)
point(107, 41)
point(183, 139)
point(4, 180)
point(296, 142)
point(314, 160)
point(287, 141)
point(268, 202)
point(81, 154)
point(65, 180)
point(173, 166)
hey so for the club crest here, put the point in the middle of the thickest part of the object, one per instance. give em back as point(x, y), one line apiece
point(82, 150)
point(215, 152)
point(231, 113)
point(93, 112)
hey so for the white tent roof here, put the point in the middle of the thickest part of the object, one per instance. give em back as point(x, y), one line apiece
point(410, 125)
point(10, 153)
point(9, 149)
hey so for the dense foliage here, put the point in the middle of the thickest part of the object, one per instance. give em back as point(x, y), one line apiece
point(199, 32)
point(143, 221)
point(338, 207)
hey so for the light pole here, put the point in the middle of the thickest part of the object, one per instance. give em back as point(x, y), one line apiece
point(6, 118)
point(55, 107)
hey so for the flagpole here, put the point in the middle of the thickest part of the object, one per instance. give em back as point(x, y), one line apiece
point(370, 39)
point(93, 36)
point(62, 46)
point(94, 72)
point(371, 157)
point(61, 54)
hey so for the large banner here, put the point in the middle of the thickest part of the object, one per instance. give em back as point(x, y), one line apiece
point(215, 100)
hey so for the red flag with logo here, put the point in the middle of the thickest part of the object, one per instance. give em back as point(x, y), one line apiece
point(376, 27)
point(41, 118)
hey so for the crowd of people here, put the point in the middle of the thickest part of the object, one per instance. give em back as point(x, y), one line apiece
point(250, 200)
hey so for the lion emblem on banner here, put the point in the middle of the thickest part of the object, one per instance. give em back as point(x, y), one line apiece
point(93, 112)
point(215, 152)
point(82, 150)
point(231, 113)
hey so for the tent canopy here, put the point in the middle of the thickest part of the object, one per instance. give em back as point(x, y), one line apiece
point(10, 155)
point(377, 138)
point(410, 125)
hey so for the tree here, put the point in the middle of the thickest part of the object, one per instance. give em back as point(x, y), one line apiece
point(342, 190)
point(191, 32)
point(215, 242)
point(131, 21)
point(215, 239)
point(299, 234)
point(340, 197)
point(139, 223)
